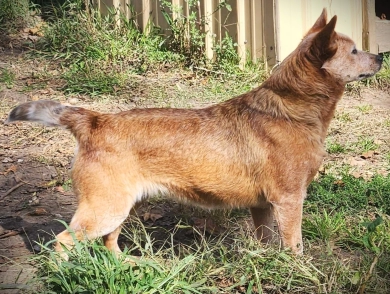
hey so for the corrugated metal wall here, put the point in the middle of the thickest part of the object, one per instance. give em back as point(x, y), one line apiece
point(249, 23)
point(268, 29)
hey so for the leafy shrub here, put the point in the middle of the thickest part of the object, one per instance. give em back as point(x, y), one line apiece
point(13, 13)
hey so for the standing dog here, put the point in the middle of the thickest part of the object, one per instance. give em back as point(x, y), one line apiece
point(258, 150)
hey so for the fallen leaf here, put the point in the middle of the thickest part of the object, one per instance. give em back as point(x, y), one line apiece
point(356, 174)
point(38, 211)
point(356, 161)
point(33, 38)
point(33, 31)
point(151, 216)
point(321, 170)
point(60, 189)
point(12, 168)
point(368, 154)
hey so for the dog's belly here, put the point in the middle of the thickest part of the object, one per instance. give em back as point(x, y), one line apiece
point(219, 196)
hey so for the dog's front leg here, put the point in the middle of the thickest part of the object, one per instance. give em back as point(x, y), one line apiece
point(288, 214)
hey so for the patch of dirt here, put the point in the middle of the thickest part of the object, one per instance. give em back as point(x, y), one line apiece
point(361, 121)
point(35, 162)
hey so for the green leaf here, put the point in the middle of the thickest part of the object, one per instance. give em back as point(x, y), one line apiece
point(355, 279)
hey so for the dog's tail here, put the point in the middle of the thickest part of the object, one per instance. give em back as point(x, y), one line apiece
point(52, 113)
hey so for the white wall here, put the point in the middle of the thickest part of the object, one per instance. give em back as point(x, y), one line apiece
point(295, 18)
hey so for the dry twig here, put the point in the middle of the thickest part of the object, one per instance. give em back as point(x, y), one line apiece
point(11, 190)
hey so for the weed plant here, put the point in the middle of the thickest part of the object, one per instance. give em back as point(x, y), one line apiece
point(185, 35)
point(14, 14)
point(99, 53)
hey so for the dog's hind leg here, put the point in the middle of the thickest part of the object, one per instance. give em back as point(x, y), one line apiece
point(111, 241)
point(90, 222)
point(263, 219)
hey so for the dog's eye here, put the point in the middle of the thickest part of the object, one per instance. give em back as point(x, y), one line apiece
point(354, 51)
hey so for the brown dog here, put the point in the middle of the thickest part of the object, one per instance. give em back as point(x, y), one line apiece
point(258, 150)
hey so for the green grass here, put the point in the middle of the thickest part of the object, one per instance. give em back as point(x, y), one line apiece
point(344, 117)
point(346, 232)
point(86, 78)
point(366, 144)
point(350, 193)
point(207, 266)
point(7, 77)
point(324, 226)
point(365, 108)
point(335, 148)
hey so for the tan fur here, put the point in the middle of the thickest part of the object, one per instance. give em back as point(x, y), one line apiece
point(259, 150)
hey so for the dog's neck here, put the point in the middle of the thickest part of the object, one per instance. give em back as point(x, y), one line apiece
point(293, 94)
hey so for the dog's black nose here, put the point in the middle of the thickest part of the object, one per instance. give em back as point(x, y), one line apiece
point(379, 58)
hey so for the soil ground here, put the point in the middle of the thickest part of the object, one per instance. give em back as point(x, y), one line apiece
point(35, 163)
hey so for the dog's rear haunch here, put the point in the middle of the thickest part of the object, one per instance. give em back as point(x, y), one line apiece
point(259, 150)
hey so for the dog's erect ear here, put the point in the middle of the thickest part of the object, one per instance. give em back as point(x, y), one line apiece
point(320, 23)
point(324, 44)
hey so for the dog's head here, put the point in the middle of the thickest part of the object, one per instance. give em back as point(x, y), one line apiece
point(336, 54)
